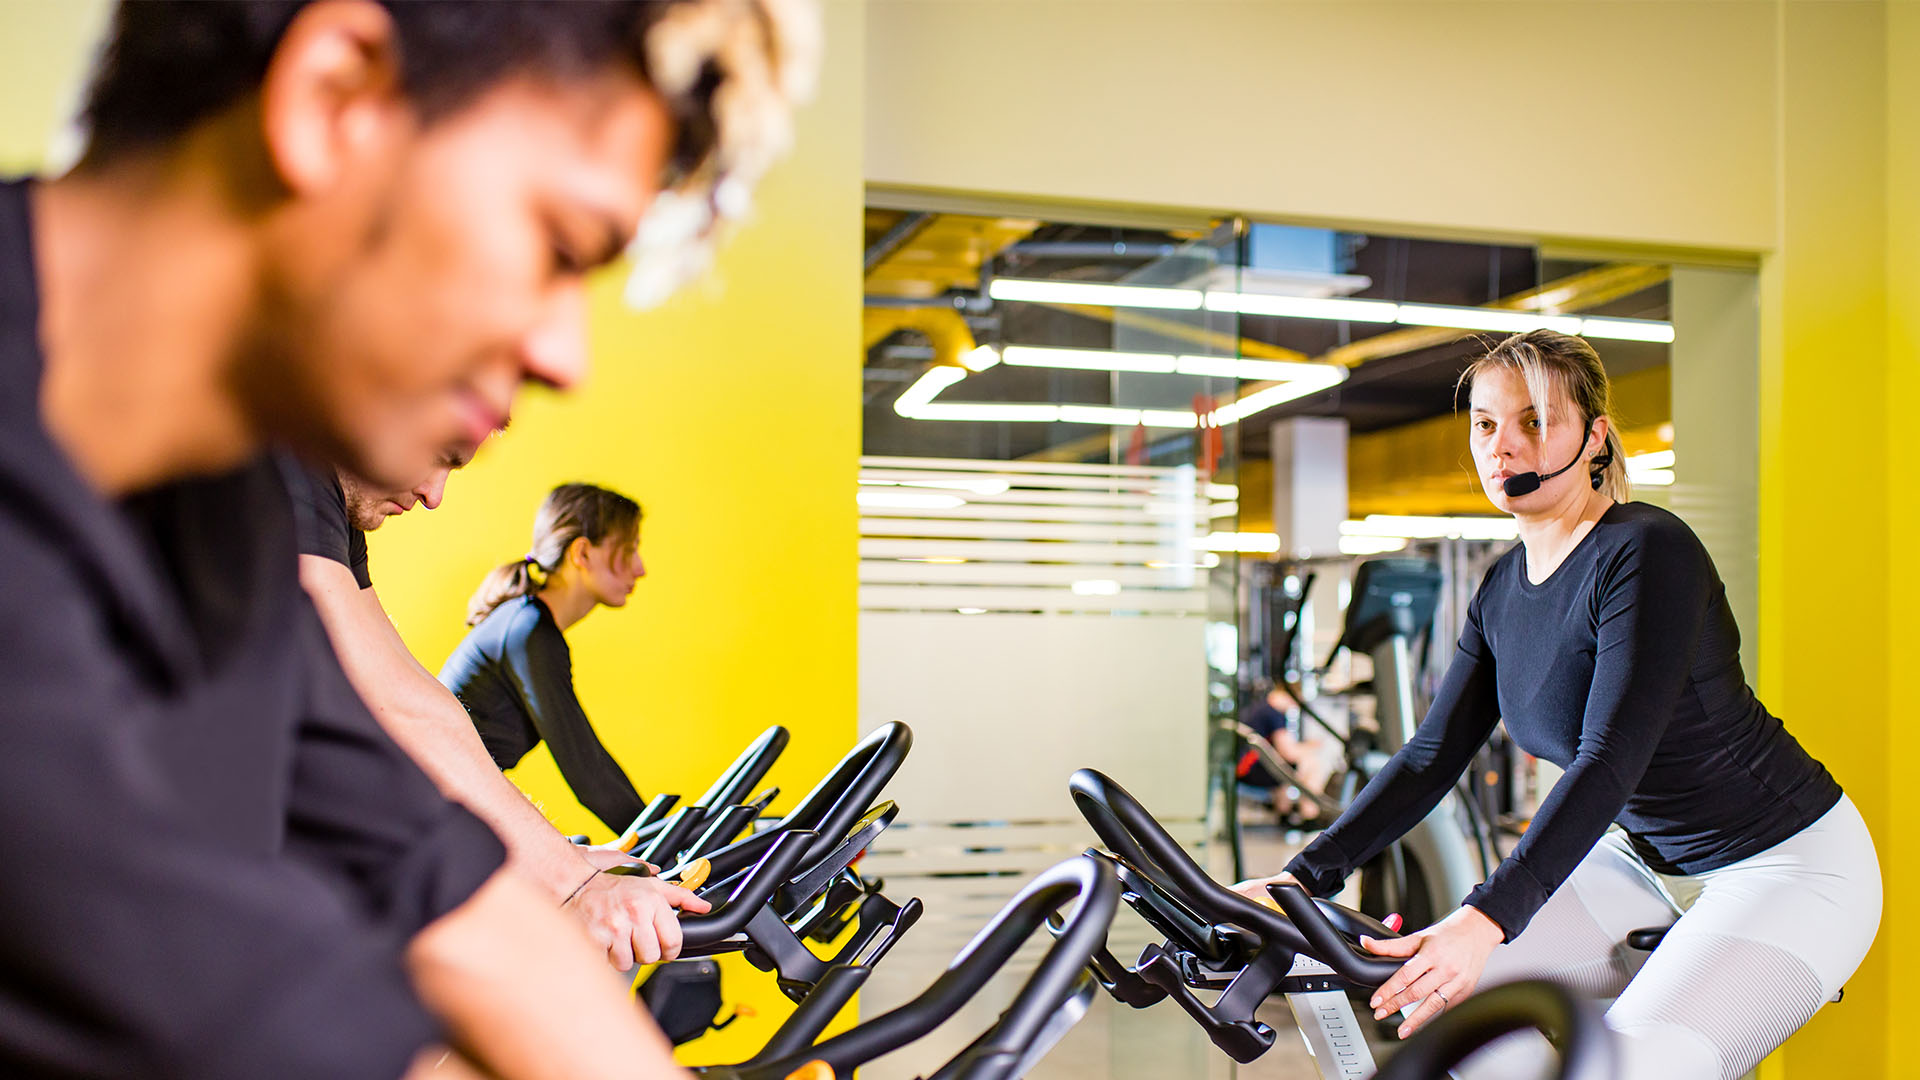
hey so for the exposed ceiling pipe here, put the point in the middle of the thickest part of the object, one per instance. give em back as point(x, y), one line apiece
point(894, 239)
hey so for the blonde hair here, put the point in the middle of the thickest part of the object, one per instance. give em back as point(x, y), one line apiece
point(1560, 367)
point(569, 512)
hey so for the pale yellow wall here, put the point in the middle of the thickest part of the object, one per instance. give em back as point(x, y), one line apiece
point(1648, 122)
point(44, 46)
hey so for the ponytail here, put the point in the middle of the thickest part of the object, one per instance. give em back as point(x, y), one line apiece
point(570, 512)
point(501, 585)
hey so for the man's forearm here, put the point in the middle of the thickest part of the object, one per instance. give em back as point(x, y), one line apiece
point(449, 751)
point(433, 728)
point(524, 995)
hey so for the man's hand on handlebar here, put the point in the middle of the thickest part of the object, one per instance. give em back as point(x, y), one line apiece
point(1255, 889)
point(1443, 966)
point(634, 918)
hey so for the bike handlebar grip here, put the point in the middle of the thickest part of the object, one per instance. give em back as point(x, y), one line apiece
point(756, 889)
point(1329, 946)
point(695, 875)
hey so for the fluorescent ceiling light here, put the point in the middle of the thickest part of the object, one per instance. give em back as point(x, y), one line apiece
point(908, 500)
point(1628, 329)
point(1469, 318)
point(1088, 359)
point(945, 560)
point(1332, 309)
point(1311, 379)
point(924, 389)
point(1296, 379)
point(988, 411)
point(1371, 545)
point(980, 357)
point(1304, 307)
point(1432, 528)
point(1222, 491)
point(1249, 543)
point(1094, 293)
point(1224, 509)
point(1099, 414)
point(1168, 418)
point(1652, 470)
point(1229, 367)
point(1096, 587)
point(971, 610)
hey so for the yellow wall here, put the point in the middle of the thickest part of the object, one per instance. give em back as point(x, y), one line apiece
point(1825, 660)
point(1900, 853)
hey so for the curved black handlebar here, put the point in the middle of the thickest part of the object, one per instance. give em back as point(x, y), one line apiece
point(834, 804)
point(730, 917)
point(1132, 834)
point(1573, 1026)
point(747, 770)
point(1046, 991)
point(730, 789)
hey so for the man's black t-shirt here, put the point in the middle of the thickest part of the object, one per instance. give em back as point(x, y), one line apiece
point(514, 673)
point(216, 857)
point(1623, 668)
point(320, 520)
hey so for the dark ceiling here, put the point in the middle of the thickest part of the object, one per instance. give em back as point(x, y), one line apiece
point(1380, 393)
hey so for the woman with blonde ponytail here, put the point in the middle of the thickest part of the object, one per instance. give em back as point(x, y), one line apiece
point(1604, 641)
point(514, 671)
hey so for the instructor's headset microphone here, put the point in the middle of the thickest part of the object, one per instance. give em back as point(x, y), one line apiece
point(1527, 483)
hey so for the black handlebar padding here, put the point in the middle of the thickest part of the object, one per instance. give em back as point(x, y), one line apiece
point(721, 830)
point(730, 916)
point(1131, 833)
point(747, 770)
point(834, 804)
point(1572, 1024)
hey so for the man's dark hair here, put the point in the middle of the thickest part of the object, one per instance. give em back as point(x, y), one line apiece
point(171, 64)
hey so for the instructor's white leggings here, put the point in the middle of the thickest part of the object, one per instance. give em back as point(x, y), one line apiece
point(1762, 944)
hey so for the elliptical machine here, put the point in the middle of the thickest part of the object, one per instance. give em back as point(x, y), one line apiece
point(1391, 613)
point(1437, 863)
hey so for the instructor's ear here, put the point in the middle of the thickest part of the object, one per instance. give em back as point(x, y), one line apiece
point(331, 96)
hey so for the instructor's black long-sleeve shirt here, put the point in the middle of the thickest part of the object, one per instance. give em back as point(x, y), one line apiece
point(1623, 668)
point(514, 673)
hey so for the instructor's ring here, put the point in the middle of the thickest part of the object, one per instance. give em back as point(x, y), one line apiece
point(1444, 1003)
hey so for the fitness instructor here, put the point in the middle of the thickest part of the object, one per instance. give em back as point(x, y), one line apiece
point(631, 917)
point(1605, 642)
